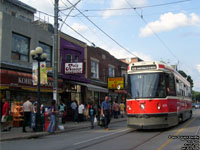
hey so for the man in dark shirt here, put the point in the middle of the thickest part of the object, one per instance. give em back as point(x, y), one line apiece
point(106, 111)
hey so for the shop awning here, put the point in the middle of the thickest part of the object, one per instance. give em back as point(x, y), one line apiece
point(92, 87)
point(10, 79)
point(96, 88)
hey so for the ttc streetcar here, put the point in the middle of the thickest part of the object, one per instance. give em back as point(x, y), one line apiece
point(158, 96)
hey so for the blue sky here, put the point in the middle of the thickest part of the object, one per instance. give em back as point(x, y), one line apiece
point(175, 24)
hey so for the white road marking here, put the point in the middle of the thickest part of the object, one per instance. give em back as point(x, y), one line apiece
point(197, 131)
point(100, 137)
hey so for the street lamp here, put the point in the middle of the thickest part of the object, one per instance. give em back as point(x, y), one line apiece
point(39, 56)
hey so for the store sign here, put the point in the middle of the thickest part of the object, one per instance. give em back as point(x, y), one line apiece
point(29, 81)
point(73, 68)
point(116, 83)
point(22, 80)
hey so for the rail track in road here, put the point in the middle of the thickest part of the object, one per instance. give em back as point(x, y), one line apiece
point(88, 144)
point(113, 136)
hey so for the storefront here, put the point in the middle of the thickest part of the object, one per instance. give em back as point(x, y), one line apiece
point(17, 86)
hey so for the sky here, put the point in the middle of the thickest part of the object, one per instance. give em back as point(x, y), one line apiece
point(153, 30)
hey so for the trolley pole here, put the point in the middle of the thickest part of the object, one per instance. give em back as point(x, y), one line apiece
point(55, 56)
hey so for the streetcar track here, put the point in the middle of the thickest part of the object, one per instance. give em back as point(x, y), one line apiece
point(106, 140)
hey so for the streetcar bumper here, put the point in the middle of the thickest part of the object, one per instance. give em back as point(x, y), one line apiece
point(152, 121)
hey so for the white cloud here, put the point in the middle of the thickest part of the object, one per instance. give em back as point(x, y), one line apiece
point(79, 27)
point(115, 4)
point(170, 21)
point(198, 67)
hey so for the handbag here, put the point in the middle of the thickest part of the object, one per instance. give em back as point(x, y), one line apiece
point(4, 119)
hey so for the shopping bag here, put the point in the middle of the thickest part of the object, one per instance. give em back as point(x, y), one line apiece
point(61, 127)
point(95, 120)
point(4, 119)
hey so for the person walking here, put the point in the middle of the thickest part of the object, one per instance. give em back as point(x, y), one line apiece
point(92, 114)
point(2, 102)
point(5, 114)
point(80, 112)
point(51, 127)
point(27, 108)
point(74, 107)
point(116, 110)
point(62, 111)
point(122, 107)
point(106, 111)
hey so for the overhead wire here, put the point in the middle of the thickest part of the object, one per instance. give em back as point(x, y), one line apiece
point(157, 36)
point(72, 8)
point(79, 34)
point(148, 6)
point(103, 31)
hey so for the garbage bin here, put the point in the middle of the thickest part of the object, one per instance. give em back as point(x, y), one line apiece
point(47, 120)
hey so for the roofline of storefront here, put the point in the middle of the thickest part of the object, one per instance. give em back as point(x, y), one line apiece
point(17, 67)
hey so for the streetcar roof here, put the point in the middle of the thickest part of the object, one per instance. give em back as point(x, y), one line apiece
point(152, 67)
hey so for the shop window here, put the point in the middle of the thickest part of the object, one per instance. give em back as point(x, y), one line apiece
point(94, 69)
point(48, 50)
point(20, 47)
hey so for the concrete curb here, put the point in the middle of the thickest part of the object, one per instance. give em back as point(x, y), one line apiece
point(41, 134)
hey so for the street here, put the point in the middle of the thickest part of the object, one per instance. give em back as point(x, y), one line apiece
point(119, 137)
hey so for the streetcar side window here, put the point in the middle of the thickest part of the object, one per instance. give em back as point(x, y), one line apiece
point(170, 84)
point(178, 90)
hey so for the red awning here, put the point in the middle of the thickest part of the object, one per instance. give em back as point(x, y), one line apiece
point(15, 79)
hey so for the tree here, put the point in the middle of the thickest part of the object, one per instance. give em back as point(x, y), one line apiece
point(188, 77)
point(183, 73)
point(196, 96)
point(190, 80)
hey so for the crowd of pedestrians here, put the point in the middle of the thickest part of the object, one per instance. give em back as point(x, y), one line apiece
point(97, 114)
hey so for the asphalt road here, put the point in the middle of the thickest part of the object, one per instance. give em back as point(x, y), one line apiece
point(119, 137)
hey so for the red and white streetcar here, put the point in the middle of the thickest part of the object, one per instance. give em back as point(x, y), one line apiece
point(158, 96)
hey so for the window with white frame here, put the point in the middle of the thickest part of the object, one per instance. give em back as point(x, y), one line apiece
point(20, 47)
point(111, 71)
point(94, 69)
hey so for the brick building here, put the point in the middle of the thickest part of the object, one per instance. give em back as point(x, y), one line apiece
point(131, 60)
point(101, 65)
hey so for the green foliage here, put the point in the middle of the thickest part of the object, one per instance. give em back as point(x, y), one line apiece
point(188, 77)
point(196, 95)
point(182, 73)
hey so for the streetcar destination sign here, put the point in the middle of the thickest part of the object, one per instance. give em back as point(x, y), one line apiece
point(138, 68)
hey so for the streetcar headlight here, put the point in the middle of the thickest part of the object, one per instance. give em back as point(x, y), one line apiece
point(159, 106)
point(142, 106)
point(129, 108)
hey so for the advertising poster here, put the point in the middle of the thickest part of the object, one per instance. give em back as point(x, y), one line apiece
point(35, 73)
point(43, 73)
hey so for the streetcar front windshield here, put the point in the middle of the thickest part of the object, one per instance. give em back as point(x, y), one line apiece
point(148, 85)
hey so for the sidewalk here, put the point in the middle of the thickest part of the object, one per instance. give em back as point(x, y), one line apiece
point(16, 133)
